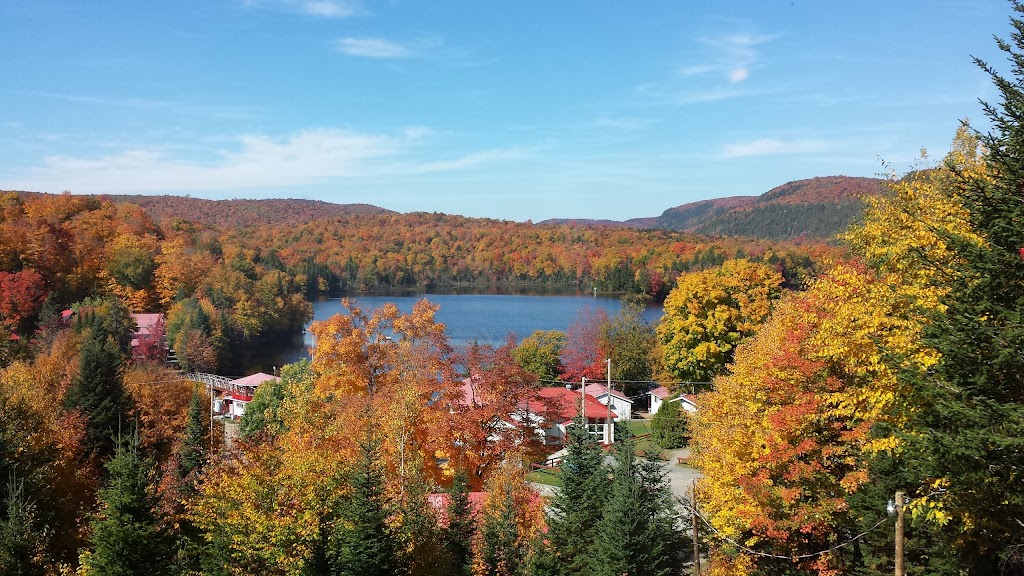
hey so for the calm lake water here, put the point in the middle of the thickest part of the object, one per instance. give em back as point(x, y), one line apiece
point(485, 318)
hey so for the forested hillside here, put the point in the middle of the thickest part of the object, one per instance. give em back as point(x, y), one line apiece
point(242, 213)
point(361, 252)
point(817, 208)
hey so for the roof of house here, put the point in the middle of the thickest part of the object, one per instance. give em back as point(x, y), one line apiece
point(254, 380)
point(439, 501)
point(562, 405)
point(688, 398)
point(145, 325)
point(65, 314)
point(660, 392)
point(470, 395)
point(146, 322)
point(600, 390)
point(14, 336)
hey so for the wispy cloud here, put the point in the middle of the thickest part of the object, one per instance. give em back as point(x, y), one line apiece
point(469, 160)
point(620, 123)
point(367, 47)
point(258, 161)
point(329, 8)
point(152, 104)
point(772, 146)
point(731, 55)
point(696, 70)
point(317, 8)
point(661, 95)
point(373, 48)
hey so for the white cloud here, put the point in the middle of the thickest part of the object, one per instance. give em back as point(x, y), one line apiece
point(736, 54)
point(373, 48)
point(696, 70)
point(329, 8)
point(468, 161)
point(738, 75)
point(260, 161)
point(771, 147)
point(619, 123)
point(318, 8)
point(387, 49)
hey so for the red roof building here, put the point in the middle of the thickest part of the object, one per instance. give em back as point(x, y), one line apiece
point(553, 409)
point(146, 325)
point(242, 390)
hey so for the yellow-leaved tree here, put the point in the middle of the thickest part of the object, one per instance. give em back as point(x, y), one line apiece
point(710, 312)
point(786, 438)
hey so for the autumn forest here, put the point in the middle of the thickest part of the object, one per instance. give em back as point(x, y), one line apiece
point(829, 373)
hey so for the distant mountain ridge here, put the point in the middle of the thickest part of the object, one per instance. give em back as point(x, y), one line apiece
point(243, 213)
point(816, 207)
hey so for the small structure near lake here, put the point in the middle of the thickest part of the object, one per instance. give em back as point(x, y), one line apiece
point(241, 391)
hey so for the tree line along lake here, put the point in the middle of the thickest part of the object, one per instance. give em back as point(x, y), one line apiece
point(486, 318)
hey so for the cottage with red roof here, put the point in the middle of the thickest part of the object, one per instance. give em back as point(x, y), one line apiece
point(241, 392)
point(553, 409)
point(661, 395)
point(621, 404)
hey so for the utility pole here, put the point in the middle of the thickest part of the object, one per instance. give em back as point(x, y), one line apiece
point(900, 503)
point(211, 417)
point(693, 521)
point(609, 432)
point(583, 405)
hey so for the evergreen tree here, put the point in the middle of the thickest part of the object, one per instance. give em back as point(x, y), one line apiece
point(501, 553)
point(192, 450)
point(639, 532)
point(126, 537)
point(424, 548)
point(671, 426)
point(22, 543)
point(98, 392)
point(106, 318)
point(577, 506)
point(363, 544)
point(970, 431)
point(191, 456)
point(458, 533)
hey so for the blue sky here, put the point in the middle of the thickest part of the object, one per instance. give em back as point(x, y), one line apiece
point(513, 110)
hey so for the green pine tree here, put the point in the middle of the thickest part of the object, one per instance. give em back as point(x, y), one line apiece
point(640, 532)
point(192, 450)
point(501, 553)
point(363, 544)
point(423, 550)
point(577, 505)
point(457, 535)
point(98, 392)
point(970, 430)
point(670, 426)
point(22, 543)
point(126, 537)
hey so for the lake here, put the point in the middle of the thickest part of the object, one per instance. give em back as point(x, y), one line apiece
point(485, 318)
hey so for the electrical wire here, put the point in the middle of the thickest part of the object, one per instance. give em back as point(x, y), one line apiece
point(753, 552)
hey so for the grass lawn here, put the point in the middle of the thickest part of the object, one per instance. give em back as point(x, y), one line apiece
point(646, 445)
point(640, 427)
point(544, 477)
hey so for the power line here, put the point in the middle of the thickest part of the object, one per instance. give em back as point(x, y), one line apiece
point(753, 552)
point(693, 510)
